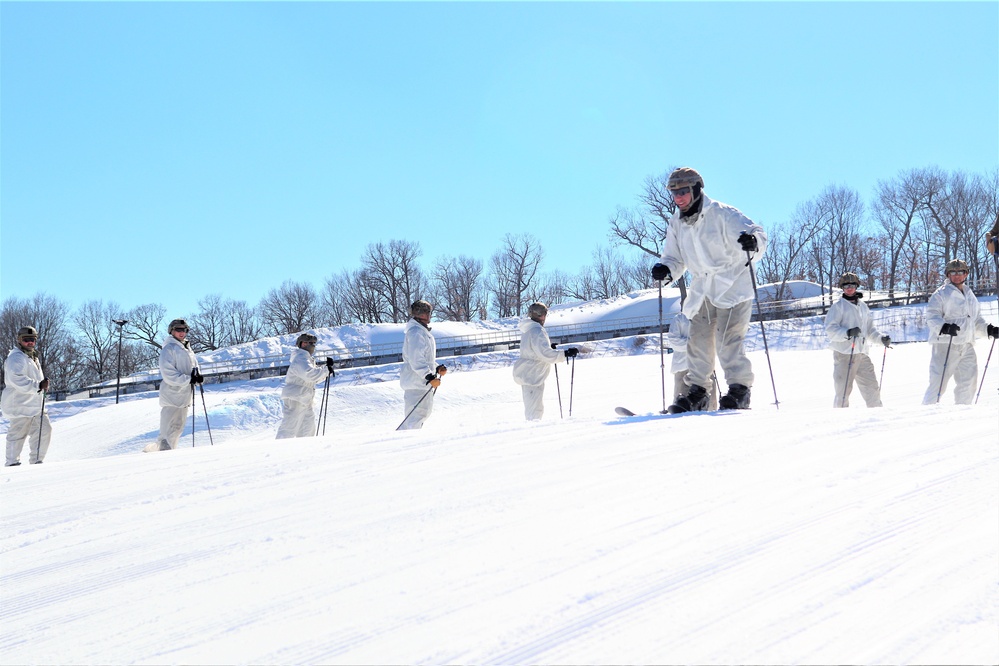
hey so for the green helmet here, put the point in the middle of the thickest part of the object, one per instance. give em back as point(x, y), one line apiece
point(420, 307)
point(307, 338)
point(26, 331)
point(955, 265)
point(177, 323)
point(537, 310)
point(849, 278)
point(684, 177)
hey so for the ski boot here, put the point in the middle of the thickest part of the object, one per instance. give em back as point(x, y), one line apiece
point(736, 398)
point(695, 401)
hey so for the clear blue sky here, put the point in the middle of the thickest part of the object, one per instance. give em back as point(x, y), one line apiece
point(162, 152)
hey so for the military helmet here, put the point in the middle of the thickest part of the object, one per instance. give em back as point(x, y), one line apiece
point(25, 331)
point(177, 323)
point(849, 278)
point(684, 177)
point(307, 338)
point(537, 310)
point(420, 307)
point(955, 265)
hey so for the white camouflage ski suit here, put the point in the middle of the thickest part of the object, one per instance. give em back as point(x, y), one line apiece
point(21, 403)
point(950, 305)
point(177, 360)
point(419, 359)
point(720, 298)
point(531, 370)
point(842, 316)
point(298, 395)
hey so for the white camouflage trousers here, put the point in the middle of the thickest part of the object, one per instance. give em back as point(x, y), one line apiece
point(172, 421)
point(720, 331)
point(962, 366)
point(861, 371)
point(299, 420)
point(534, 401)
point(27, 428)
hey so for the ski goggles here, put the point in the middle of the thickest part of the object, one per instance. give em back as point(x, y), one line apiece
point(681, 191)
point(29, 338)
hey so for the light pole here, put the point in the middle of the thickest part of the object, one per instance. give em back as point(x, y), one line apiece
point(121, 327)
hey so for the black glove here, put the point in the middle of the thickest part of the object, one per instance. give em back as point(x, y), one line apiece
point(748, 242)
point(196, 377)
point(329, 366)
point(441, 369)
point(43, 385)
point(853, 332)
point(886, 340)
point(433, 380)
point(949, 329)
point(661, 272)
point(554, 346)
point(571, 352)
point(993, 331)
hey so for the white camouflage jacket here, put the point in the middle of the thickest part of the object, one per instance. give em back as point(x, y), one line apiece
point(176, 362)
point(844, 315)
point(949, 305)
point(707, 246)
point(419, 354)
point(536, 355)
point(303, 375)
point(22, 375)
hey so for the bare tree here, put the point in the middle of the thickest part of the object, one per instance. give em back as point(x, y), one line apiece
point(457, 288)
point(644, 227)
point(355, 298)
point(289, 309)
point(146, 324)
point(242, 323)
point(838, 212)
point(391, 271)
point(786, 255)
point(99, 338)
point(513, 271)
point(896, 207)
point(209, 324)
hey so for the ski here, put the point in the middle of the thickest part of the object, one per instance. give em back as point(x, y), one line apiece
point(624, 411)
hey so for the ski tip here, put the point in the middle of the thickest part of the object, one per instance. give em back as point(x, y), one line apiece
point(621, 411)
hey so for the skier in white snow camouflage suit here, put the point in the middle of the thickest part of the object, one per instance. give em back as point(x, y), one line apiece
point(419, 377)
point(537, 354)
point(711, 240)
point(299, 392)
point(23, 396)
point(953, 315)
point(180, 374)
point(851, 331)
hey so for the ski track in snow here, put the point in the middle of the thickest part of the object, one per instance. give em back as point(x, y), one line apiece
point(794, 535)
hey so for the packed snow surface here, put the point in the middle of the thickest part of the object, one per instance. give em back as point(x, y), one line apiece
point(790, 534)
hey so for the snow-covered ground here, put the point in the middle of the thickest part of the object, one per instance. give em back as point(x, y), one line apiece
point(801, 534)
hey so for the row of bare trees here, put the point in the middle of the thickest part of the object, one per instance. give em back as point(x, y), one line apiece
point(897, 242)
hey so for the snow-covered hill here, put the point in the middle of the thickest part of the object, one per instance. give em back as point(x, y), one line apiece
point(801, 534)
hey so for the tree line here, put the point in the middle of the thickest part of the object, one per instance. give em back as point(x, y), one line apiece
point(897, 242)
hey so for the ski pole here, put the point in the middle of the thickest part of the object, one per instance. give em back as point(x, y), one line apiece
point(415, 406)
point(943, 373)
point(763, 330)
point(986, 369)
point(193, 411)
point(558, 389)
point(881, 379)
point(662, 353)
point(41, 420)
point(572, 379)
point(849, 368)
point(205, 407)
point(323, 406)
